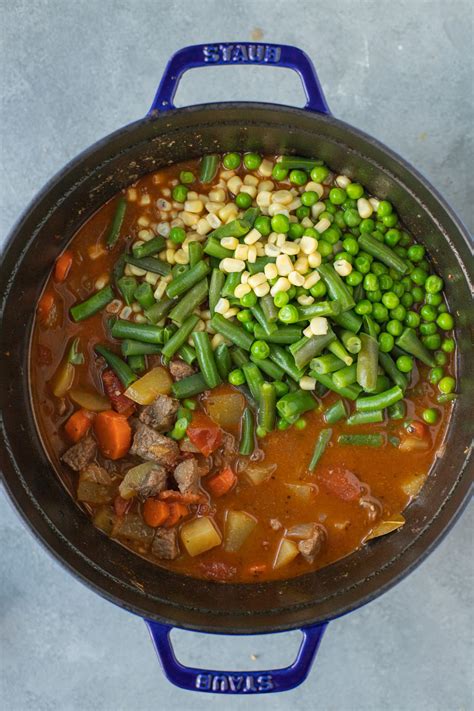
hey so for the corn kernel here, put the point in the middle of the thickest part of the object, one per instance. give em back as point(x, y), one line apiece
point(301, 265)
point(170, 256)
point(266, 167)
point(308, 332)
point(311, 280)
point(241, 290)
point(231, 312)
point(280, 239)
point(230, 265)
point(252, 255)
point(263, 198)
point(322, 225)
point(145, 199)
point(294, 205)
point(276, 209)
point(314, 260)
point(230, 242)
point(180, 257)
point(271, 250)
point(189, 218)
point(342, 267)
point(305, 299)
point(214, 206)
point(317, 209)
point(265, 185)
point(226, 174)
point(342, 181)
point(234, 184)
point(252, 236)
point(222, 306)
point(145, 235)
point(291, 248)
point(315, 188)
point(319, 325)
point(364, 208)
point(244, 277)
point(143, 221)
point(228, 212)
point(203, 226)
point(296, 278)
point(151, 278)
point(270, 271)
point(282, 284)
point(249, 189)
point(213, 220)
point(132, 194)
point(217, 340)
point(375, 203)
point(160, 290)
point(308, 244)
point(262, 289)
point(251, 180)
point(260, 249)
point(256, 279)
point(241, 252)
point(217, 195)
point(136, 271)
point(284, 197)
point(284, 264)
point(307, 383)
point(306, 222)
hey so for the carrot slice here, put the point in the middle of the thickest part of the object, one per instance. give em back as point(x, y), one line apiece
point(155, 512)
point(177, 511)
point(171, 496)
point(45, 306)
point(63, 265)
point(113, 433)
point(78, 425)
point(222, 482)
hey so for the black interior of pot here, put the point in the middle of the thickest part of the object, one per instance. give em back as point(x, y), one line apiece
point(44, 230)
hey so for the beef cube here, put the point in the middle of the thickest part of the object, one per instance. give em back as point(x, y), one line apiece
point(81, 454)
point(155, 447)
point(134, 529)
point(310, 547)
point(160, 414)
point(187, 446)
point(187, 476)
point(226, 452)
point(95, 485)
point(179, 369)
point(165, 543)
point(144, 480)
point(153, 483)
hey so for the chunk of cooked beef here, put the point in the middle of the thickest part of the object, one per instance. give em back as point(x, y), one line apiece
point(187, 446)
point(310, 547)
point(95, 485)
point(80, 454)
point(160, 414)
point(165, 543)
point(179, 369)
point(153, 446)
point(144, 480)
point(223, 456)
point(154, 482)
point(187, 476)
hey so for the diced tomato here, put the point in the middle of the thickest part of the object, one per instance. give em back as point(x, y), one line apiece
point(342, 483)
point(114, 391)
point(122, 506)
point(204, 433)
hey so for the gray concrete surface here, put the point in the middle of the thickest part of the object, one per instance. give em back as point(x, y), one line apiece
point(71, 73)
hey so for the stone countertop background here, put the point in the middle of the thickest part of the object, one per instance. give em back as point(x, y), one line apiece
point(71, 73)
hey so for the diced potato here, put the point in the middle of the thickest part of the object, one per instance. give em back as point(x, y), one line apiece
point(105, 519)
point(384, 527)
point(238, 527)
point(89, 400)
point(414, 444)
point(200, 535)
point(144, 390)
point(133, 478)
point(258, 473)
point(286, 553)
point(413, 486)
point(226, 410)
point(133, 527)
point(94, 486)
point(301, 491)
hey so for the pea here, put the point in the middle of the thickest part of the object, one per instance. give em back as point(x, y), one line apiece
point(331, 235)
point(302, 211)
point(186, 177)
point(309, 198)
point(405, 363)
point(428, 313)
point(281, 299)
point(378, 268)
point(249, 326)
point(386, 282)
point(405, 240)
point(441, 358)
point(252, 161)
point(434, 284)
point(374, 296)
point(243, 200)
point(427, 329)
point(300, 423)
point(263, 225)
point(446, 385)
point(231, 161)
point(435, 375)
point(398, 313)
point(244, 316)
point(384, 208)
point(390, 300)
point(362, 264)
point(260, 350)
point(445, 321)
point(351, 217)
point(354, 278)
point(394, 327)
point(392, 237)
point(406, 300)
point(288, 314)
point(337, 196)
point(279, 173)
point(379, 232)
point(367, 225)
point(448, 345)
point(433, 299)
point(346, 256)
point(402, 252)
point(177, 235)
point(280, 223)
point(416, 253)
point(280, 387)
point(291, 292)
point(283, 424)
point(430, 416)
point(386, 342)
point(351, 245)
point(327, 215)
point(432, 342)
point(249, 299)
point(318, 290)
point(295, 230)
point(371, 282)
point(390, 220)
point(412, 319)
point(298, 177)
point(355, 191)
point(417, 293)
point(363, 307)
point(180, 193)
point(324, 248)
point(379, 312)
point(319, 173)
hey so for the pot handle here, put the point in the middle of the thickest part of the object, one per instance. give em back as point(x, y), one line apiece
point(223, 53)
point(235, 682)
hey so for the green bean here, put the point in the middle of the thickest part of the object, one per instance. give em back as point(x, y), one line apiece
point(335, 412)
point(310, 347)
point(93, 304)
point(238, 356)
point(150, 264)
point(367, 362)
point(382, 252)
point(409, 342)
point(260, 317)
point(195, 253)
point(236, 228)
point(159, 310)
point(254, 379)
point(283, 335)
point(214, 248)
point(319, 308)
point(320, 447)
point(143, 332)
point(232, 331)
point(350, 341)
point(187, 280)
point(365, 418)
point(250, 215)
point(267, 410)
point(115, 227)
point(370, 327)
point(298, 163)
point(118, 268)
point(336, 287)
point(137, 363)
point(123, 371)
point(232, 280)
point(190, 386)
point(380, 400)
point(148, 249)
point(383, 383)
point(351, 392)
point(398, 411)
point(327, 363)
point(223, 360)
point(260, 264)
point(345, 376)
point(127, 285)
point(269, 367)
point(144, 295)
point(286, 361)
point(390, 367)
point(179, 337)
point(187, 353)
point(206, 360)
point(190, 301)
point(247, 441)
point(215, 288)
point(269, 309)
point(337, 349)
point(168, 331)
point(361, 440)
point(132, 348)
point(296, 403)
point(348, 320)
point(208, 168)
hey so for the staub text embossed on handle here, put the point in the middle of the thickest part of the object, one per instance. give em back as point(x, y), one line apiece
point(246, 52)
point(234, 683)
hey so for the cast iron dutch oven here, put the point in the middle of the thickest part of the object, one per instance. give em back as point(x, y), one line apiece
point(162, 598)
